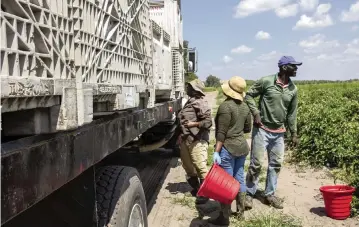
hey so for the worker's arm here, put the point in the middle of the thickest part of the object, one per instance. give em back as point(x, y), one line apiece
point(292, 114)
point(254, 91)
point(248, 123)
point(203, 112)
point(223, 119)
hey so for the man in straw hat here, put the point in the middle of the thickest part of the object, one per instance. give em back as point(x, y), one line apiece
point(233, 119)
point(196, 121)
point(277, 106)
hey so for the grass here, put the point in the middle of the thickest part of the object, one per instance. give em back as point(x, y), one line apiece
point(184, 200)
point(209, 89)
point(269, 219)
point(220, 96)
point(210, 152)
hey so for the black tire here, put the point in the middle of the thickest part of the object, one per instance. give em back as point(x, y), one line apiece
point(119, 190)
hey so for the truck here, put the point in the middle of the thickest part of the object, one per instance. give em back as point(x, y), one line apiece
point(81, 79)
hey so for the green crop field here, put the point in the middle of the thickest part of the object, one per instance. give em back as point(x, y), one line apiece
point(328, 125)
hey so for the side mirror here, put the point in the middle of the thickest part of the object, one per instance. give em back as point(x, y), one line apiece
point(192, 60)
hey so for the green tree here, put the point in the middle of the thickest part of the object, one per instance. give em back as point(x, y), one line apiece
point(213, 81)
point(190, 76)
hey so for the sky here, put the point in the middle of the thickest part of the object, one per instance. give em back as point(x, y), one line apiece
point(246, 38)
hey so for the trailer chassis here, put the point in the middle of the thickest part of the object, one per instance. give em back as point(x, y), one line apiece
point(35, 167)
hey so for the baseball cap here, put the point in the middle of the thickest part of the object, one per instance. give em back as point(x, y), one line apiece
point(286, 60)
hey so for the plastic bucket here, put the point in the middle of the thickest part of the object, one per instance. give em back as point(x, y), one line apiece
point(337, 199)
point(219, 185)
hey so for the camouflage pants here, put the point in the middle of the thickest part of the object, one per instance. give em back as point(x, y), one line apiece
point(194, 158)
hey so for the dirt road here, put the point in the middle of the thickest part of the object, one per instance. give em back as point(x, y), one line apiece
point(175, 207)
point(299, 186)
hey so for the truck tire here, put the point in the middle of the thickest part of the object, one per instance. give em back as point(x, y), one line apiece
point(120, 200)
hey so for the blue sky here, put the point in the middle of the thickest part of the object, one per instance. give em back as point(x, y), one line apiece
point(247, 37)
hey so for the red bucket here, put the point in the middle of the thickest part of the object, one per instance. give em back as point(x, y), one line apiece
point(219, 185)
point(337, 200)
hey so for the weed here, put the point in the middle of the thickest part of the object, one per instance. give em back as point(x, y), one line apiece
point(209, 89)
point(184, 200)
point(210, 153)
point(271, 218)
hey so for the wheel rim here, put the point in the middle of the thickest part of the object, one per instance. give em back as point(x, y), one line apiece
point(136, 217)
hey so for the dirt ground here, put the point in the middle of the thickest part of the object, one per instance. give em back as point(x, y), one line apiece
point(299, 186)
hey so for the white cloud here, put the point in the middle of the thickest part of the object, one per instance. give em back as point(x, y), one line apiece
point(320, 18)
point(262, 35)
point(308, 5)
point(353, 47)
point(287, 11)
point(248, 7)
point(226, 59)
point(318, 43)
point(355, 28)
point(243, 49)
point(352, 14)
point(323, 9)
point(268, 56)
point(328, 57)
point(282, 8)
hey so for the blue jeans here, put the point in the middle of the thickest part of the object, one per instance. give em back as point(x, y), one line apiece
point(272, 143)
point(234, 166)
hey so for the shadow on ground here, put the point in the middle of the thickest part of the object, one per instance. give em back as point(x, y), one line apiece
point(207, 211)
point(180, 187)
point(320, 211)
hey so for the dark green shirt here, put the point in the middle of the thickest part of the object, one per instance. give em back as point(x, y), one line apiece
point(233, 119)
point(277, 103)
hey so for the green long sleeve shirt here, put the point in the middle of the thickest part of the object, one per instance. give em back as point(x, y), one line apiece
point(233, 119)
point(277, 103)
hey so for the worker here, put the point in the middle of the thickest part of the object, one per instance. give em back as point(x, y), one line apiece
point(232, 121)
point(196, 121)
point(277, 106)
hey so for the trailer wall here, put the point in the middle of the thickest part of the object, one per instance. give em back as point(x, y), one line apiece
point(62, 61)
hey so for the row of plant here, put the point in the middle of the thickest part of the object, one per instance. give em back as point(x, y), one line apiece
point(328, 125)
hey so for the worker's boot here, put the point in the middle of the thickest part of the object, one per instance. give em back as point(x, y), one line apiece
point(240, 200)
point(201, 199)
point(274, 201)
point(248, 203)
point(194, 183)
point(223, 218)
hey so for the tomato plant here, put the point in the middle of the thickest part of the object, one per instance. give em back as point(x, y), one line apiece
point(328, 126)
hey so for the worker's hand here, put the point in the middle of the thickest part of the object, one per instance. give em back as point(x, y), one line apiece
point(295, 140)
point(257, 120)
point(216, 158)
point(190, 124)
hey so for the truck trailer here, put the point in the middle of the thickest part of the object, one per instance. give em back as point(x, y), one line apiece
point(81, 79)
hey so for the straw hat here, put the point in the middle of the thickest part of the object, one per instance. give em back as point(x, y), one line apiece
point(235, 88)
point(197, 85)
